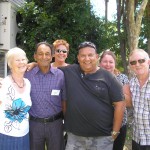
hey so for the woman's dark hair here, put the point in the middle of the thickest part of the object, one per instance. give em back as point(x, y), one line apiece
point(107, 52)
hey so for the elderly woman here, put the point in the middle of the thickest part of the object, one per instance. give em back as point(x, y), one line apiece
point(108, 62)
point(15, 103)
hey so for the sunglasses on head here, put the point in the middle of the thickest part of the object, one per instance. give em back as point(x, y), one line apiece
point(140, 61)
point(87, 44)
point(61, 50)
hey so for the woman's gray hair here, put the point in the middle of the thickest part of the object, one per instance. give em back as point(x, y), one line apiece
point(14, 52)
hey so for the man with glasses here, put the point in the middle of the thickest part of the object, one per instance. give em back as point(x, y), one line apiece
point(140, 89)
point(94, 101)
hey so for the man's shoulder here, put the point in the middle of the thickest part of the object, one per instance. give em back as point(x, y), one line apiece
point(69, 67)
point(30, 72)
point(56, 71)
point(104, 73)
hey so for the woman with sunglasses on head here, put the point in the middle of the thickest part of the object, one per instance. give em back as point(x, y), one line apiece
point(15, 103)
point(108, 62)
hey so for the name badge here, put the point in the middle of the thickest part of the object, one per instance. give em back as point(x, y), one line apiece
point(55, 92)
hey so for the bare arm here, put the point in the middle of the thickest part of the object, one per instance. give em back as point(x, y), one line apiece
point(127, 94)
point(119, 108)
point(31, 65)
point(64, 106)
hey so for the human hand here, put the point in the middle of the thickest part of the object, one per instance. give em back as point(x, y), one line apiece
point(114, 137)
point(114, 134)
point(31, 65)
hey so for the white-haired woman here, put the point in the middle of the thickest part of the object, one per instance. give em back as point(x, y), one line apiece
point(15, 103)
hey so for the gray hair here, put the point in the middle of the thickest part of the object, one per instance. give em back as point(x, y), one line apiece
point(14, 52)
point(141, 51)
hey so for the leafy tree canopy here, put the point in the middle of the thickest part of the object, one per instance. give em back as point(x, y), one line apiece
point(64, 19)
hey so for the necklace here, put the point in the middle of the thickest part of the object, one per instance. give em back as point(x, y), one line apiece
point(17, 83)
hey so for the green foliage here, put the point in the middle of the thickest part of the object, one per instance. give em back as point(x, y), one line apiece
point(145, 30)
point(64, 19)
point(75, 22)
point(145, 33)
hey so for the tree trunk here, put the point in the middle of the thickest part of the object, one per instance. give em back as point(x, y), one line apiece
point(148, 25)
point(121, 25)
point(134, 23)
point(106, 10)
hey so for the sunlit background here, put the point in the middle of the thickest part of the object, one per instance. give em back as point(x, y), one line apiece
point(99, 8)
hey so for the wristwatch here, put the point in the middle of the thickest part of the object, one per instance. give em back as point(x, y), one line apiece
point(114, 133)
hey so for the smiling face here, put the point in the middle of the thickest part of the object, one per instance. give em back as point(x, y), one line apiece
point(43, 56)
point(88, 58)
point(108, 63)
point(137, 65)
point(18, 63)
point(61, 53)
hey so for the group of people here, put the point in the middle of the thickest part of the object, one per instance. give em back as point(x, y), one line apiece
point(91, 97)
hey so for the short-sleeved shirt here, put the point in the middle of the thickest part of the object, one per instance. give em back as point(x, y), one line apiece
point(90, 98)
point(141, 111)
point(47, 92)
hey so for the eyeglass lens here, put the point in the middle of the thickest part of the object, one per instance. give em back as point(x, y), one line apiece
point(140, 61)
point(61, 50)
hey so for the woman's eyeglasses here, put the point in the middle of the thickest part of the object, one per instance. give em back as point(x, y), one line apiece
point(140, 61)
point(61, 50)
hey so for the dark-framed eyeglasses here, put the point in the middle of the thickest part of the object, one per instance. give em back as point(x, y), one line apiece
point(87, 44)
point(140, 61)
point(61, 50)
